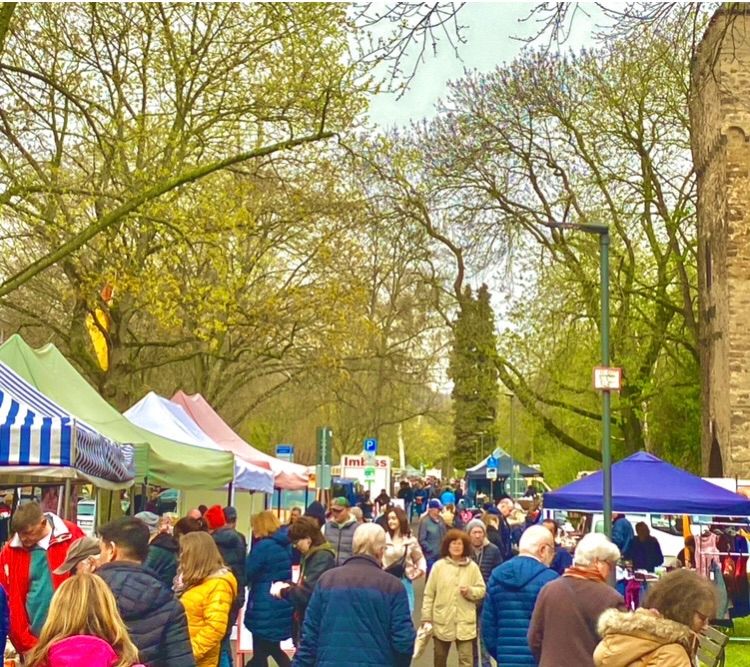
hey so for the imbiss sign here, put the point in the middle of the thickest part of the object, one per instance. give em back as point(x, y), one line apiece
point(373, 473)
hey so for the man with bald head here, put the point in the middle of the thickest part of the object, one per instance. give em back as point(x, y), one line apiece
point(511, 595)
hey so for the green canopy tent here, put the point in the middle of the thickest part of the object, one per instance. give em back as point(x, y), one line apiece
point(158, 460)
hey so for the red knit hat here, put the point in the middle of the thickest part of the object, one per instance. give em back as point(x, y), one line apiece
point(214, 517)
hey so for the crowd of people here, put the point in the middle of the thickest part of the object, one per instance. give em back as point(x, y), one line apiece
point(167, 591)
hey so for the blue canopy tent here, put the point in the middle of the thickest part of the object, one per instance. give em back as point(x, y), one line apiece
point(476, 476)
point(41, 442)
point(644, 483)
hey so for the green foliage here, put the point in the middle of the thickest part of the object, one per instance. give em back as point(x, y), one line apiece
point(473, 371)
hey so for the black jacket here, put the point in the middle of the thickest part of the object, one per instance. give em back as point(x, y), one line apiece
point(233, 549)
point(155, 620)
point(162, 558)
point(488, 558)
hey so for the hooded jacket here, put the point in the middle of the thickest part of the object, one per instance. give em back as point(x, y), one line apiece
point(15, 562)
point(81, 650)
point(315, 562)
point(207, 608)
point(269, 560)
point(358, 615)
point(511, 596)
point(162, 558)
point(341, 538)
point(641, 639)
point(155, 620)
point(453, 616)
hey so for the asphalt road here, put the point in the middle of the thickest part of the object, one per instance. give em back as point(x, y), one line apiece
point(426, 659)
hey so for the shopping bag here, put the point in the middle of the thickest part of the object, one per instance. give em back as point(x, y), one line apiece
point(424, 634)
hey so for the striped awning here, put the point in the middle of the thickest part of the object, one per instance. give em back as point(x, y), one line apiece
point(36, 432)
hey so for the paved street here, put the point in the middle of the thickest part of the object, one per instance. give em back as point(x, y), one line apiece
point(426, 659)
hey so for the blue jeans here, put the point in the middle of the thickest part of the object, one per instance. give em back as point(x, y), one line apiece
point(409, 593)
point(225, 656)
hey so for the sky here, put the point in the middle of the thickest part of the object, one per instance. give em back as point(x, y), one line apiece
point(489, 28)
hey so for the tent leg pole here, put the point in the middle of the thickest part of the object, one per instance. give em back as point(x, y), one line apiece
point(230, 493)
point(307, 494)
point(66, 500)
point(60, 494)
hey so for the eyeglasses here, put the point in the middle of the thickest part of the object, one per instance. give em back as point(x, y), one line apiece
point(702, 616)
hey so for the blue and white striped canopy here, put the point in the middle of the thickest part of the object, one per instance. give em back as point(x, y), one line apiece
point(37, 433)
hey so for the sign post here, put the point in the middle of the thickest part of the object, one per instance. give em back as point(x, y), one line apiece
point(323, 441)
point(285, 452)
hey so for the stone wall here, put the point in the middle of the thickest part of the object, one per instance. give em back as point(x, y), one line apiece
point(720, 135)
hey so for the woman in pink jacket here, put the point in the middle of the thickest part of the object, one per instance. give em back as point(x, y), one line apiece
point(83, 627)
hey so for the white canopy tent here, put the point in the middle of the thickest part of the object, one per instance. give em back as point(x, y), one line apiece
point(161, 416)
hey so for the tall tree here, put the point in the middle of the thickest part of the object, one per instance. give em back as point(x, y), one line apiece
point(473, 370)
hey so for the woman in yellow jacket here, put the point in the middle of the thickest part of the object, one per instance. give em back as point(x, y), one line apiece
point(209, 590)
point(454, 588)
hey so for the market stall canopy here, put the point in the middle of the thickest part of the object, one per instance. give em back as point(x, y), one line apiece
point(287, 475)
point(158, 460)
point(157, 414)
point(41, 441)
point(505, 468)
point(644, 483)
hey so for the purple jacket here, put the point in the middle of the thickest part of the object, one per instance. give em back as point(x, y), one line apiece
point(82, 650)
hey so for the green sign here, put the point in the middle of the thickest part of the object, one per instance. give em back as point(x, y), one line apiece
point(323, 438)
point(369, 472)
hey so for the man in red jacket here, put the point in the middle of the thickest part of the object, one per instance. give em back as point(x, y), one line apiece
point(27, 562)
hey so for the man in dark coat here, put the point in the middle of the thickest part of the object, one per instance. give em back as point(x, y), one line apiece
point(487, 556)
point(511, 596)
point(430, 533)
point(358, 614)
point(563, 630)
point(155, 619)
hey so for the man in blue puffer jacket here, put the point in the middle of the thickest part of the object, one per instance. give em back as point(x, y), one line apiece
point(511, 596)
point(358, 614)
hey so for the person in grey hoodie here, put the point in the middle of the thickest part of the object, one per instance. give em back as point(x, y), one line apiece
point(340, 529)
point(431, 532)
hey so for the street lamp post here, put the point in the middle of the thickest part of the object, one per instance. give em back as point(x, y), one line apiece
point(603, 232)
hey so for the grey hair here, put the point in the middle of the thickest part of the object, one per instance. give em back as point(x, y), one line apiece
point(593, 547)
point(533, 538)
point(369, 540)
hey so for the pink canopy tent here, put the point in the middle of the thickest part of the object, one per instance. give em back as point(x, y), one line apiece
point(286, 475)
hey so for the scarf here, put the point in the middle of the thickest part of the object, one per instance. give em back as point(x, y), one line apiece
point(584, 573)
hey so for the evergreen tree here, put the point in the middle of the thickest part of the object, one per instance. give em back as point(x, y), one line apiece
point(475, 380)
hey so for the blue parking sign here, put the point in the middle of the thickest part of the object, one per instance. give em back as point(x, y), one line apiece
point(371, 445)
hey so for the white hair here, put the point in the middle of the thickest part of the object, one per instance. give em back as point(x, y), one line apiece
point(593, 547)
point(369, 539)
point(532, 540)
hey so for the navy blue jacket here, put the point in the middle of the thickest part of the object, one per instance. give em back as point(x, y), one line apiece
point(155, 621)
point(358, 615)
point(511, 596)
point(269, 560)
